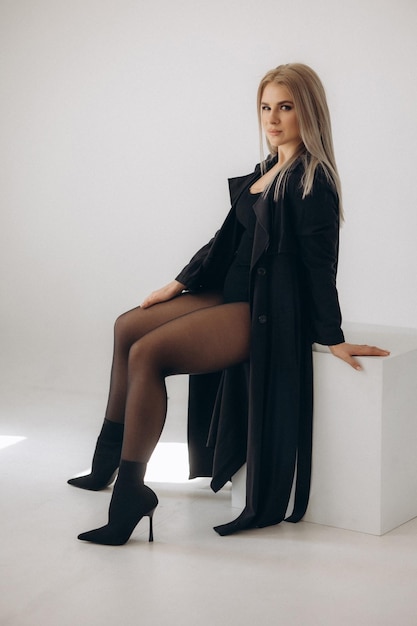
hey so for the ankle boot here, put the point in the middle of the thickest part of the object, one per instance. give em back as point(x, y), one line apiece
point(106, 458)
point(131, 500)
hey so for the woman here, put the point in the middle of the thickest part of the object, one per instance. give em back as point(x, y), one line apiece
point(249, 304)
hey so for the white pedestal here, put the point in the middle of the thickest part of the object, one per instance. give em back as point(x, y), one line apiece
point(364, 474)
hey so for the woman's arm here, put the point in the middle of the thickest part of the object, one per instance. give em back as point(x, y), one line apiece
point(190, 275)
point(188, 278)
point(317, 224)
point(191, 278)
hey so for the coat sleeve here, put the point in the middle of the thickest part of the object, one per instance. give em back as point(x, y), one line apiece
point(191, 274)
point(317, 234)
point(206, 269)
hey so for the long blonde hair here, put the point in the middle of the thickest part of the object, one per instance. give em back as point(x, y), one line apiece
point(314, 122)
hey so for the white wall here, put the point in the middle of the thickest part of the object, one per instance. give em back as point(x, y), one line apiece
point(120, 122)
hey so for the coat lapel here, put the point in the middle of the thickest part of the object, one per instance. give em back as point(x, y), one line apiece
point(238, 184)
point(262, 208)
point(262, 229)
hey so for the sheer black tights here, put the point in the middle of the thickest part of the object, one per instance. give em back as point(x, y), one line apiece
point(189, 334)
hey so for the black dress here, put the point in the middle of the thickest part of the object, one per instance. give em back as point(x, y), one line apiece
point(236, 284)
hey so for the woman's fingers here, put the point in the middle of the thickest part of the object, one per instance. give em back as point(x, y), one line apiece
point(364, 350)
point(347, 352)
point(161, 295)
point(149, 300)
point(168, 292)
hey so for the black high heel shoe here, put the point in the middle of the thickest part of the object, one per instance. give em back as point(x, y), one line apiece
point(130, 502)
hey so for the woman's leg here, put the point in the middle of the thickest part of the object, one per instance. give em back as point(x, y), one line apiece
point(202, 341)
point(129, 328)
point(135, 324)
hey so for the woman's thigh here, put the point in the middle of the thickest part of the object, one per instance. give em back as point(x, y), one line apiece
point(133, 325)
point(200, 341)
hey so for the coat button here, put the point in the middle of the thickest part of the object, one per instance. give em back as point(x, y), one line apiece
point(261, 271)
point(262, 319)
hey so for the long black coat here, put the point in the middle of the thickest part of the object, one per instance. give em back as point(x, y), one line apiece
point(261, 412)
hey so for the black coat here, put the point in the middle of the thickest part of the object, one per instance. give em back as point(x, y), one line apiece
point(261, 412)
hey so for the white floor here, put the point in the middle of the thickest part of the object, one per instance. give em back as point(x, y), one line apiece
point(287, 574)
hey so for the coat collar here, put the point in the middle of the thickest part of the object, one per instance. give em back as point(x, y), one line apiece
point(238, 184)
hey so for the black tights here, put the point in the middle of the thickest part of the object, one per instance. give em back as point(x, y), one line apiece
point(191, 334)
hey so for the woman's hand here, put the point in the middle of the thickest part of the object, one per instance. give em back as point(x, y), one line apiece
point(174, 288)
point(346, 352)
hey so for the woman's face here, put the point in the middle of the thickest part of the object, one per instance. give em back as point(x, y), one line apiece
point(279, 119)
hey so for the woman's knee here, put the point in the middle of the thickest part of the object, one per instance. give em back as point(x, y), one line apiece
point(144, 354)
point(127, 328)
point(121, 326)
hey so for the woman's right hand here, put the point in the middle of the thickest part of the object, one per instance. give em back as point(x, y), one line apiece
point(174, 288)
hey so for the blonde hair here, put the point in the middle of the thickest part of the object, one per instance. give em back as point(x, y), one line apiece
point(313, 117)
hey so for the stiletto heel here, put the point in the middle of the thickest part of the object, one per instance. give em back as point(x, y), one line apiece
point(150, 515)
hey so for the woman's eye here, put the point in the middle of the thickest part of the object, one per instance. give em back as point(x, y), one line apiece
point(283, 107)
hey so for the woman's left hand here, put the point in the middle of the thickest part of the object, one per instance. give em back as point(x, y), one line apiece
point(346, 352)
